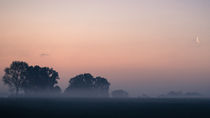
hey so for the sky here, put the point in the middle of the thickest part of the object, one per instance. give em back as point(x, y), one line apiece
point(142, 46)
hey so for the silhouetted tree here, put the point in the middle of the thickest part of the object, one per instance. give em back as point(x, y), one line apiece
point(101, 86)
point(40, 80)
point(14, 76)
point(119, 94)
point(85, 85)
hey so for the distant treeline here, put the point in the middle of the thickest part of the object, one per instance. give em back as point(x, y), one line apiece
point(25, 80)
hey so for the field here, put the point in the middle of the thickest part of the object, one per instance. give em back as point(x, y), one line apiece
point(104, 108)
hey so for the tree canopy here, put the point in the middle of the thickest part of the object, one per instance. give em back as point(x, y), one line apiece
point(31, 79)
point(14, 76)
point(36, 80)
point(40, 79)
point(85, 85)
point(119, 93)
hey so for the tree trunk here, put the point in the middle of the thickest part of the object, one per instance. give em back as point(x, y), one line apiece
point(16, 91)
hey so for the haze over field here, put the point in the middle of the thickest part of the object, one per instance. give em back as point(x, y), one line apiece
point(142, 46)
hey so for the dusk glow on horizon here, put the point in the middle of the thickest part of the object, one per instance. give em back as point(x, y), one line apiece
point(142, 46)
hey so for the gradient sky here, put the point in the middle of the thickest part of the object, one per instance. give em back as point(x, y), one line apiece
point(142, 46)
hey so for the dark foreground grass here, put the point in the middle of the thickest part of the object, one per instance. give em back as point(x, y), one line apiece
point(103, 108)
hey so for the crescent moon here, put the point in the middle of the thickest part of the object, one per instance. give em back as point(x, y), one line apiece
point(197, 40)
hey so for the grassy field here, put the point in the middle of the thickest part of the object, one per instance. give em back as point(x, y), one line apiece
point(104, 108)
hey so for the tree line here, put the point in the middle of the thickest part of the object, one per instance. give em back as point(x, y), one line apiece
point(35, 80)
